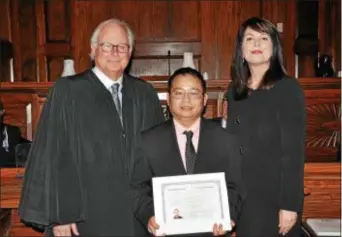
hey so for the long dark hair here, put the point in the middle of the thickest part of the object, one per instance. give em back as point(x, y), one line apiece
point(239, 70)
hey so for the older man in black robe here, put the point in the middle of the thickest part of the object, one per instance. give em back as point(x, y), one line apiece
point(77, 175)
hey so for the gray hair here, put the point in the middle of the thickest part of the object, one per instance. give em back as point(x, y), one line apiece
point(99, 27)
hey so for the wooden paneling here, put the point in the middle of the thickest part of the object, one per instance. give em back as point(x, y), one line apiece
point(220, 23)
point(146, 67)
point(154, 22)
point(27, 39)
point(10, 195)
point(323, 106)
point(5, 23)
point(323, 125)
point(19, 229)
point(162, 58)
point(337, 51)
point(307, 42)
point(55, 68)
point(322, 182)
point(319, 29)
point(323, 190)
point(42, 29)
point(54, 36)
point(329, 29)
point(5, 221)
point(57, 20)
point(283, 12)
point(335, 31)
point(5, 35)
point(11, 187)
point(145, 50)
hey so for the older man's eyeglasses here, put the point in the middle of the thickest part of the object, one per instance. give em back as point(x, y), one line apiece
point(193, 94)
point(109, 47)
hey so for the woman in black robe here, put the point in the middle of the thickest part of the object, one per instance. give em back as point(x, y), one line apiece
point(266, 109)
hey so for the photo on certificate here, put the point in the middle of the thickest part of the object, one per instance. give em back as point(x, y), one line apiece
point(191, 203)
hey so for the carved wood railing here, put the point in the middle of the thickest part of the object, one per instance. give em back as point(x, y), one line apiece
point(323, 105)
point(323, 102)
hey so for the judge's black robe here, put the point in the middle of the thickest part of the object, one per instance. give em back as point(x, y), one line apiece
point(79, 165)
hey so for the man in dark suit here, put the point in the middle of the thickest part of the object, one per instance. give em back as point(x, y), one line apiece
point(10, 136)
point(80, 162)
point(186, 144)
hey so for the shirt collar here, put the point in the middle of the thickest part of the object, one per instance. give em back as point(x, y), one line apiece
point(195, 128)
point(106, 81)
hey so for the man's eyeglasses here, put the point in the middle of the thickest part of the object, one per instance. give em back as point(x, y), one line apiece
point(109, 47)
point(193, 94)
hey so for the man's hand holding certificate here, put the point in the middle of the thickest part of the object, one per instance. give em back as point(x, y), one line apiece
point(190, 204)
point(217, 229)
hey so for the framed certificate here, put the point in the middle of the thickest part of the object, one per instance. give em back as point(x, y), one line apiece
point(187, 204)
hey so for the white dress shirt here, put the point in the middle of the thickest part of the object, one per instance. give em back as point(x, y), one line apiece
point(107, 82)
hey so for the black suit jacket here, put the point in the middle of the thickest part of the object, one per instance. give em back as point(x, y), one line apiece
point(217, 120)
point(7, 159)
point(159, 156)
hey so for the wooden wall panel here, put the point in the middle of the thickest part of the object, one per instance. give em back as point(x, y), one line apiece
point(150, 21)
point(335, 18)
point(18, 229)
point(55, 68)
point(157, 67)
point(323, 105)
point(162, 59)
point(329, 29)
point(52, 29)
point(283, 12)
point(25, 40)
point(153, 21)
point(322, 189)
point(183, 21)
point(219, 26)
point(322, 184)
point(54, 36)
point(323, 138)
point(5, 23)
point(57, 20)
point(5, 35)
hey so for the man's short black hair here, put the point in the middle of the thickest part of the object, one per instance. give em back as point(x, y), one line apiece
point(187, 71)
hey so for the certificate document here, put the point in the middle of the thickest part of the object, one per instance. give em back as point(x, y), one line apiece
point(187, 204)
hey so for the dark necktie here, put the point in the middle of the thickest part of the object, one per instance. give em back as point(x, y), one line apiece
point(190, 153)
point(116, 99)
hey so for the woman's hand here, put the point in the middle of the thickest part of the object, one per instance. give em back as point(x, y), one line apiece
point(287, 219)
